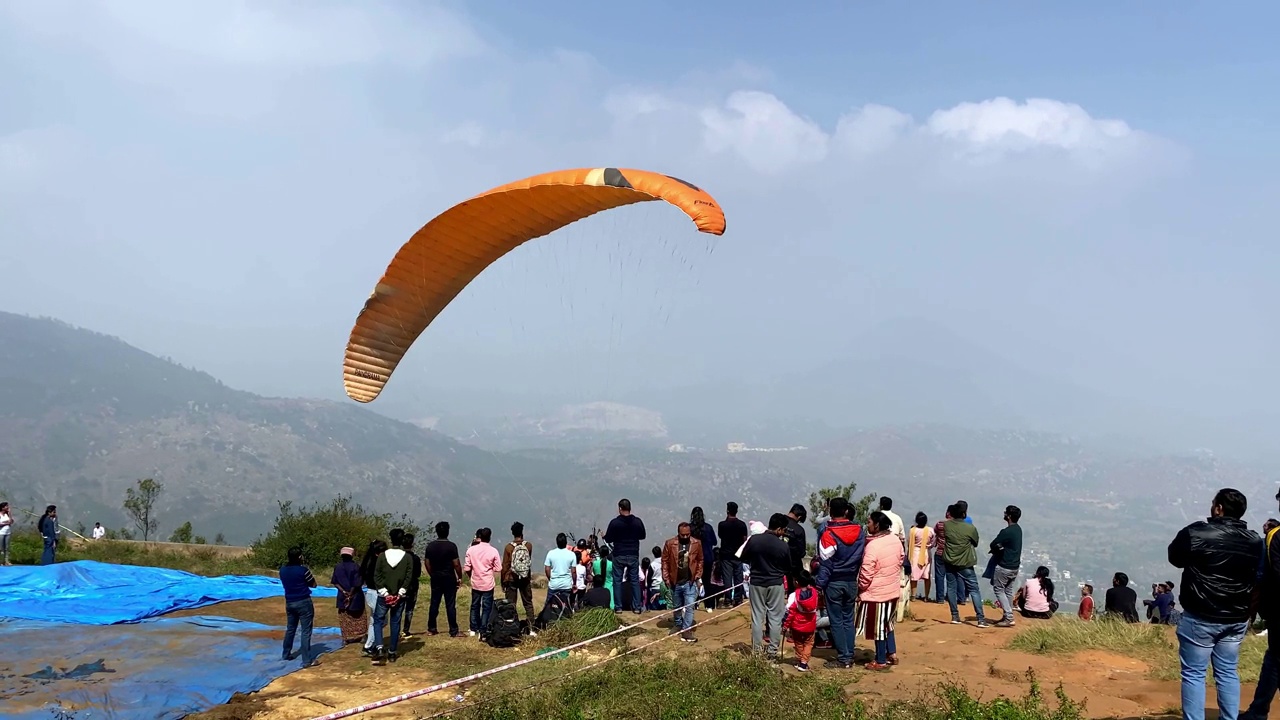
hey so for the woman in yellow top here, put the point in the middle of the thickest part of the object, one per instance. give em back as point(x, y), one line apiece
point(920, 544)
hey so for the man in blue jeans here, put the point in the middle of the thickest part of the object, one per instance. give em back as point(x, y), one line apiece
point(840, 547)
point(1219, 561)
point(624, 534)
point(1269, 609)
point(298, 607)
point(960, 556)
point(682, 564)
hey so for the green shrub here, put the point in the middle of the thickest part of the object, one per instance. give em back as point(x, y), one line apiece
point(321, 530)
point(584, 625)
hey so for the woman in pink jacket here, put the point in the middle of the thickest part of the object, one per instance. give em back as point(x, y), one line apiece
point(879, 589)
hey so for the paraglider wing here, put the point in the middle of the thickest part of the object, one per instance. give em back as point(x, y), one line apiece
point(450, 251)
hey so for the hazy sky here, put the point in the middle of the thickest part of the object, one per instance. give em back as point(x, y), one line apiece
point(1089, 190)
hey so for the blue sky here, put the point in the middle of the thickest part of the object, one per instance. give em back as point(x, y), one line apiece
point(1084, 188)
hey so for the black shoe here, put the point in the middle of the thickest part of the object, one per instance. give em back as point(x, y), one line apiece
point(392, 657)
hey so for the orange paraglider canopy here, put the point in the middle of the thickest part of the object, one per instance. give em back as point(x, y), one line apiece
point(450, 251)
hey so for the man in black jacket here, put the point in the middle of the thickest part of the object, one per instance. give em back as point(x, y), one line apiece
point(1219, 561)
point(1269, 608)
point(795, 538)
point(733, 533)
point(625, 533)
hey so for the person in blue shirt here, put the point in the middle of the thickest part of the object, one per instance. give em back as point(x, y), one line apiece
point(299, 609)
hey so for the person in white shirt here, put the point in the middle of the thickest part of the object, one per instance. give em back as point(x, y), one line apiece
point(895, 522)
point(6, 528)
point(99, 532)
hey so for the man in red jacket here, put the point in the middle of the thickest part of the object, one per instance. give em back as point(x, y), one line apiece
point(840, 556)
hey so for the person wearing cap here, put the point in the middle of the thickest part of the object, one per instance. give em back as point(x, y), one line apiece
point(347, 579)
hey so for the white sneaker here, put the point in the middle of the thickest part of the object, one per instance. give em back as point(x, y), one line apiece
point(1263, 633)
point(471, 633)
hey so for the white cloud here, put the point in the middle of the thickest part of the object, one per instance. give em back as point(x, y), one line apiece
point(1004, 124)
point(763, 131)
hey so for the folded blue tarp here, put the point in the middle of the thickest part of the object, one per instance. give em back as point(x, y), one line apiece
point(153, 670)
point(94, 593)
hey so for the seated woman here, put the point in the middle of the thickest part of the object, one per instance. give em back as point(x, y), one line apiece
point(1035, 599)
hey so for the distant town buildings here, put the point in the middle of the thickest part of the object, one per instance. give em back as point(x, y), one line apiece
point(737, 447)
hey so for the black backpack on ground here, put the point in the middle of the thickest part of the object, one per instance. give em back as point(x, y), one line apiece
point(504, 626)
point(554, 611)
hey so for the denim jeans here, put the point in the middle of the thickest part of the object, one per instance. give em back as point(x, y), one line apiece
point(1199, 643)
point(632, 565)
point(841, 597)
point(380, 617)
point(768, 606)
point(685, 593)
point(4, 548)
point(886, 647)
point(370, 606)
point(481, 608)
point(1003, 583)
point(731, 576)
point(1268, 678)
point(963, 580)
point(299, 612)
point(939, 579)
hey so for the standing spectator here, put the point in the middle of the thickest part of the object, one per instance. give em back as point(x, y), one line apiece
point(770, 559)
point(1121, 601)
point(483, 565)
point(960, 557)
point(625, 533)
point(48, 527)
point(368, 564)
point(802, 619)
point(840, 551)
point(1085, 611)
point(298, 606)
point(559, 569)
point(706, 537)
point(517, 572)
point(415, 583)
point(391, 577)
point(99, 532)
point(347, 581)
point(1269, 608)
point(920, 546)
point(940, 567)
point(796, 542)
point(886, 507)
point(444, 572)
point(6, 530)
point(682, 566)
point(733, 533)
point(1219, 561)
point(1007, 551)
point(879, 589)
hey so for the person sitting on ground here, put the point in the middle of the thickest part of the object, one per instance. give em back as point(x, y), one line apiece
point(1121, 601)
point(1085, 611)
point(1160, 606)
point(598, 596)
point(1035, 598)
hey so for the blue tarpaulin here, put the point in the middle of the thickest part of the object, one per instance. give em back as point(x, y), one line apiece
point(154, 670)
point(94, 593)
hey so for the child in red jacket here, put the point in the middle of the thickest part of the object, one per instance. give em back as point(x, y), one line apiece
point(802, 619)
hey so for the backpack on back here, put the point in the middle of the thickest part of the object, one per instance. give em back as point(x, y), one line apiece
point(521, 563)
point(504, 626)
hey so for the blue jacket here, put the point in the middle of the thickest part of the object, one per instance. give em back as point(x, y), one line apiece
point(840, 547)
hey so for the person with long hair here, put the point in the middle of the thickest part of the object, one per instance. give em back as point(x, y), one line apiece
point(879, 590)
point(602, 566)
point(1035, 599)
point(6, 528)
point(48, 527)
point(920, 542)
point(706, 536)
point(351, 603)
point(367, 564)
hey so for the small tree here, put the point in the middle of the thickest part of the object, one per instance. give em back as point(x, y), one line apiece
point(818, 502)
point(182, 534)
point(219, 539)
point(140, 503)
point(200, 540)
point(321, 530)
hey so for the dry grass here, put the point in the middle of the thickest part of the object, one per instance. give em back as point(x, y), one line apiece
point(1154, 644)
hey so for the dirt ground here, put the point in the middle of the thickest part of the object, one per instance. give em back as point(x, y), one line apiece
point(931, 649)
